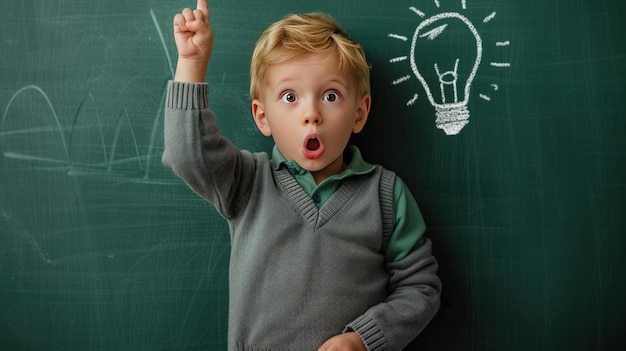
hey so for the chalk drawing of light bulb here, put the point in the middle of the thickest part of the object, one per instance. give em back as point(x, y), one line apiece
point(445, 54)
point(447, 81)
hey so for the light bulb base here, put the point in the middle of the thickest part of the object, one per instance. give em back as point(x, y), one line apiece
point(451, 118)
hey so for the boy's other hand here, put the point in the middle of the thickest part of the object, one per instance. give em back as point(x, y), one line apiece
point(344, 342)
point(194, 41)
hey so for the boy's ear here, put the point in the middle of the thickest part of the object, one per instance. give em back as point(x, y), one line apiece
point(363, 110)
point(258, 112)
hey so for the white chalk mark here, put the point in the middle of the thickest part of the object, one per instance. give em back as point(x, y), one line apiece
point(418, 12)
point(401, 80)
point(54, 114)
point(450, 97)
point(450, 116)
point(451, 120)
point(167, 54)
point(398, 59)
point(124, 119)
point(490, 17)
point(435, 32)
point(101, 132)
point(397, 36)
point(123, 127)
point(24, 157)
point(29, 238)
point(447, 81)
point(30, 130)
point(155, 132)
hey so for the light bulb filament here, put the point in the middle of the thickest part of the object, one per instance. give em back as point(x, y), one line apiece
point(448, 78)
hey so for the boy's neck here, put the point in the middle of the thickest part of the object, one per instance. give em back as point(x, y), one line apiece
point(336, 167)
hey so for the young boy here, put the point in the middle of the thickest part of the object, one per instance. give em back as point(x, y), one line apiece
point(327, 250)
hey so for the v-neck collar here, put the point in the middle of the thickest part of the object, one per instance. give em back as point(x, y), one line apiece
point(305, 204)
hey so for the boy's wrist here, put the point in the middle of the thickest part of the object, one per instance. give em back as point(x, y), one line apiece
point(190, 71)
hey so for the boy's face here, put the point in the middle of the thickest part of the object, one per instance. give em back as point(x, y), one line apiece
point(311, 110)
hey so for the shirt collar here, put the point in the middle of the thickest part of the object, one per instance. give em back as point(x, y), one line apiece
point(356, 166)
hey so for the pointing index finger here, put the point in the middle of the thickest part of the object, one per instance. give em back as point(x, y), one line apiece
point(202, 6)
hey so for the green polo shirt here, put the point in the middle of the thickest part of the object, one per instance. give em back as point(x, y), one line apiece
point(409, 223)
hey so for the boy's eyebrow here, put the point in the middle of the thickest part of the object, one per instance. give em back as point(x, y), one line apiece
point(341, 81)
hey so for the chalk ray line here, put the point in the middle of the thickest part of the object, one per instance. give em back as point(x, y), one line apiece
point(489, 17)
point(401, 80)
point(397, 36)
point(398, 59)
point(416, 11)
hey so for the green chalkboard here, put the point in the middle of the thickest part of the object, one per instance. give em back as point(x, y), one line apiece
point(103, 248)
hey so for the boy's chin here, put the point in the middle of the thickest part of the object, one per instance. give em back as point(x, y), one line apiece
point(322, 165)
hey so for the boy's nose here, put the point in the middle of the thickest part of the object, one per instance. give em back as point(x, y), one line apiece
point(312, 115)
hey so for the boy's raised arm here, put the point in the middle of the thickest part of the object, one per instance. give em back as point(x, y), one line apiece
point(194, 42)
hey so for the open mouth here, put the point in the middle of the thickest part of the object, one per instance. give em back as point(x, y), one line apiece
point(313, 147)
point(313, 144)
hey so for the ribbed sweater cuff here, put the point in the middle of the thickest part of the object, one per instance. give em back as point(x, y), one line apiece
point(369, 331)
point(187, 96)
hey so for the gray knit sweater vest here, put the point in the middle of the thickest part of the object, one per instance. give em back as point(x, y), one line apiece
point(299, 275)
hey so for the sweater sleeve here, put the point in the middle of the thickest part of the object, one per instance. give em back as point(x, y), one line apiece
point(414, 287)
point(197, 152)
point(412, 302)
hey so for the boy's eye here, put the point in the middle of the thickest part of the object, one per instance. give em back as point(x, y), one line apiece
point(288, 97)
point(332, 96)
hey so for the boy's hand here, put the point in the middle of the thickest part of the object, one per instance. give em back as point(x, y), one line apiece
point(194, 41)
point(344, 342)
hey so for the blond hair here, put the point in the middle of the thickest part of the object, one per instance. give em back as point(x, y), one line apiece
point(300, 34)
